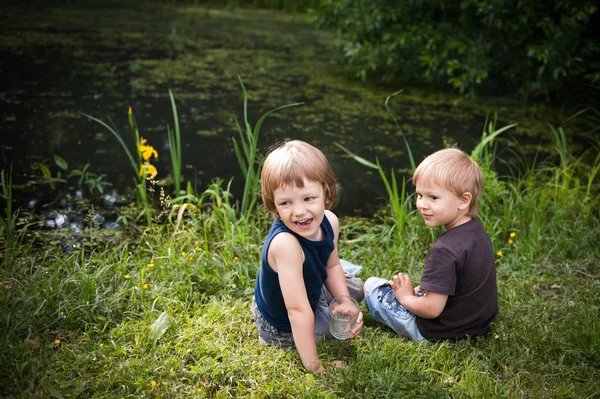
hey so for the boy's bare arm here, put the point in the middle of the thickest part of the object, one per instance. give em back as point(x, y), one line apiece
point(429, 306)
point(336, 279)
point(286, 256)
point(336, 282)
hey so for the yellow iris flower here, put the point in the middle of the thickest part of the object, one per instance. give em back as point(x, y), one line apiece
point(148, 169)
point(146, 150)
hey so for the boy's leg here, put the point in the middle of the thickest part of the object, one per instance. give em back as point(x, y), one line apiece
point(267, 333)
point(385, 308)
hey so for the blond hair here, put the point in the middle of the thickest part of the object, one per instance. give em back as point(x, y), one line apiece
point(291, 163)
point(454, 170)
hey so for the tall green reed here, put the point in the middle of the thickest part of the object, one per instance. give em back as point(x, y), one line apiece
point(140, 170)
point(8, 222)
point(408, 150)
point(398, 200)
point(247, 155)
point(175, 148)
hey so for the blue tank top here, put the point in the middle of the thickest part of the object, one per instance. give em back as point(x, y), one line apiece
point(267, 292)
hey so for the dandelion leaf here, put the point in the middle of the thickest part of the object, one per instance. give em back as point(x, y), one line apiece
point(159, 327)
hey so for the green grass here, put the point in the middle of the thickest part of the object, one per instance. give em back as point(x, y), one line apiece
point(80, 324)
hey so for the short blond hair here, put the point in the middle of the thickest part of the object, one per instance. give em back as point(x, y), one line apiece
point(291, 163)
point(454, 170)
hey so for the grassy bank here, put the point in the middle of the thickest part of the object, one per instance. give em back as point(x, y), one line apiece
point(165, 313)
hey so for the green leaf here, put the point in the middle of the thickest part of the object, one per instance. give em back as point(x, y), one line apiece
point(358, 159)
point(61, 162)
point(53, 391)
point(45, 171)
point(159, 327)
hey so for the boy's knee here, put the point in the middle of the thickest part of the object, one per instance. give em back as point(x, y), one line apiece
point(355, 287)
point(367, 284)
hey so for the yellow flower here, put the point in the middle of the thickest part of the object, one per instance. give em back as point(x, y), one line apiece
point(57, 342)
point(510, 241)
point(148, 169)
point(513, 234)
point(145, 286)
point(101, 345)
point(183, 253)
point(150, 264)
point(191, 258)
point(250, 256)
point(235, 258)
point(147, 150)
point(127, 276)
point(129, 111)
point(499, 253)
point(62, 313)
point(153, 383)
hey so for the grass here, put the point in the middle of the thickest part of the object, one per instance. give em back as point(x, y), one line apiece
point(166, 313)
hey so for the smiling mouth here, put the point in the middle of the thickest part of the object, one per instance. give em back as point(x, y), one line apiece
point(304, 224)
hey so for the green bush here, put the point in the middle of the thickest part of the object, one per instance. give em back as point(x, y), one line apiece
point(502, 46)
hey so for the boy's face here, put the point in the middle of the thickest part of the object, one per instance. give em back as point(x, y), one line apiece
point(440, 206)
point(301, 209)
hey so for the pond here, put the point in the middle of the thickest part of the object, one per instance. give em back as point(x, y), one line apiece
point(99, 58)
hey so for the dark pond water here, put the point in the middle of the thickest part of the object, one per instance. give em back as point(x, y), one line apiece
point(58, 60)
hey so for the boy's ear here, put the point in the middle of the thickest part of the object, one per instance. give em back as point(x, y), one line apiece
point(465, 200)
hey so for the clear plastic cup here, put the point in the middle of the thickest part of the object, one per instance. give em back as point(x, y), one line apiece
point(343, 313)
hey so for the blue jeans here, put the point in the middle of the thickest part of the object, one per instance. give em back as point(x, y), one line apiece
point(385, 308)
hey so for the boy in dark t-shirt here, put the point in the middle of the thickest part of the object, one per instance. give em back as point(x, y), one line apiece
point(457, 297)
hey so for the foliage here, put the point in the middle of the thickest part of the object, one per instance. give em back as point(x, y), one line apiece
point(94, 182)
point(286, 5)
point(156, 317)
point(8, 221)
point(175, 147)
point(143, 169)
point(524, 47)
point(247, 155)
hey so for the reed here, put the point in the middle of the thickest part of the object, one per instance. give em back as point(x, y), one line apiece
point(398, 200)
point(8, 221)
point(175, 148)
point(141, 168)
point(247, 155)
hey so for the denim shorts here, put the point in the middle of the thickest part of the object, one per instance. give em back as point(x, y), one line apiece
point(385, 308)
point(270, 335)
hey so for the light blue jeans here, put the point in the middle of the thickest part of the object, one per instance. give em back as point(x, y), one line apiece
point(385, 308)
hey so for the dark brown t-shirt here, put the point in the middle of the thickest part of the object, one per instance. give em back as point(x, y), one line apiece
point(461, 265)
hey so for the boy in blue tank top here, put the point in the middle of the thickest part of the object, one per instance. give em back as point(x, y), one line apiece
point(300, 270)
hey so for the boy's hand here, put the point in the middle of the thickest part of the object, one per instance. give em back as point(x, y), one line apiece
point(317, 367)
point(357, 326)
point(402, 286)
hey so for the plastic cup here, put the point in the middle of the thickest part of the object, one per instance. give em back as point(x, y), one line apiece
point(343, 313)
